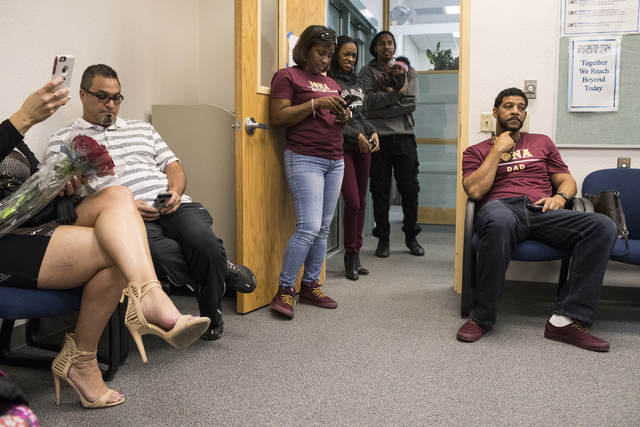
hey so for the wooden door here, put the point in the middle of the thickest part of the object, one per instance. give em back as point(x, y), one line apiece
point(265, 218)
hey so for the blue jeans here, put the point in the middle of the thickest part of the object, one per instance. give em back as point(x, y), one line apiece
point(503, 223)
point(315, 186)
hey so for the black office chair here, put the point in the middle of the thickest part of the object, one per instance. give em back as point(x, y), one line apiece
point(36, 304)
point(626, 182)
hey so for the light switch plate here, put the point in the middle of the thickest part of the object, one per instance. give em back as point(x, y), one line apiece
point(531, 88)
point(624, 162)
point(486, 122)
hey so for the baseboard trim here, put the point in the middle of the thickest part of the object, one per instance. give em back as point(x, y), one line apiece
point(618, 296)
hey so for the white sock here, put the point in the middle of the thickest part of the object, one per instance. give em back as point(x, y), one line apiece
point(560, 321)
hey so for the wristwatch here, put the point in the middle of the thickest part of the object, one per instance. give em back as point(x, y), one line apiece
point(564, 196)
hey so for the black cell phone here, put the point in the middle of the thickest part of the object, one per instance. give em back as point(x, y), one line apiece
point(161, 200)
point(372, 143)
point(350, 99)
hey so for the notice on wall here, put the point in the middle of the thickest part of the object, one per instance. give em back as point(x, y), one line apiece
point(594, 74)
point(293, 40)
point(582, 17)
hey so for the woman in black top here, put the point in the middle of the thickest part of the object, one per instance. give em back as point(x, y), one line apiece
point(104, 250)
point(360, 140)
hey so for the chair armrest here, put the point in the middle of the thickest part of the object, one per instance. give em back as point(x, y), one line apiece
point(581, 204)
point(468, 264)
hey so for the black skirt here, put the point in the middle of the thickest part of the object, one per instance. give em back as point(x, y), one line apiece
point(21, 255)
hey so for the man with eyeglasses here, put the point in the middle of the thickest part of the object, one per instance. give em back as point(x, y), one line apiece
point(185, 250)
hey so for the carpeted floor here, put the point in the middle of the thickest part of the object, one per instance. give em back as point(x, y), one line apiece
point(386, 356)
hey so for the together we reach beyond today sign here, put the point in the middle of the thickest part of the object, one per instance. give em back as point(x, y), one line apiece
point(594, 74)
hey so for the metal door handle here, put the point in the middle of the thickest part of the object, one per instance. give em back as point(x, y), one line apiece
point(250, 126)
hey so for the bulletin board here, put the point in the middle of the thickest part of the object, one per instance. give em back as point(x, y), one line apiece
point(603, 129)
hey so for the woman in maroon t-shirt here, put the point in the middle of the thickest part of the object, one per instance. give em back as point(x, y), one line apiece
point(308, 105)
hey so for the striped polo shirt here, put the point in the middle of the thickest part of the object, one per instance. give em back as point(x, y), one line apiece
point(138, 151)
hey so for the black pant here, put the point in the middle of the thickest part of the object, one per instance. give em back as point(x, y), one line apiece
point(186, 251)
point(397, 152)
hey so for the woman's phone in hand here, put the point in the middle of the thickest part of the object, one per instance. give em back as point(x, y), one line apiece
point(372, 143)
point(161, 200)
point(63, 67)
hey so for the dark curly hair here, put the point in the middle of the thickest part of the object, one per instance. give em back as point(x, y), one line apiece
point(512, 91)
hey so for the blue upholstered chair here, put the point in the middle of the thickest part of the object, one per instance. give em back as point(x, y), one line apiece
point(528, 250)
point(627, 183)
point(37, 304)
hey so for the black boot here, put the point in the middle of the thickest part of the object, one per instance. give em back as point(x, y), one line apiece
point(383, 248)
point(351, 266)
point(361, 269)
point(414, 246)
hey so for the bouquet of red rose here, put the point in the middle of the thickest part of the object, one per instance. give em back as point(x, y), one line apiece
point(82, 156)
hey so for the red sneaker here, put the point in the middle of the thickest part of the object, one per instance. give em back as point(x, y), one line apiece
point(311, 294)
point(284, 301)
point(472, 332)
point(576, 334)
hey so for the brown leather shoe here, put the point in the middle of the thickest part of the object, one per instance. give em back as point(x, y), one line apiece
point(472, 332)
point(576, 334)
point(311, 294)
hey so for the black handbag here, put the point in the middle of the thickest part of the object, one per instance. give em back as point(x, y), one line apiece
point(608, 203)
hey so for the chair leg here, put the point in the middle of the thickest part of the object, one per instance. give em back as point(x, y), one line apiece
point(7, 357)
point(118, 344)
point(5, 340)
point(564, 274)
point(468, 284)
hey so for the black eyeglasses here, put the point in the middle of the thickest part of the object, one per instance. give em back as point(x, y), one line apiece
point(117, 99)
point(327, 36)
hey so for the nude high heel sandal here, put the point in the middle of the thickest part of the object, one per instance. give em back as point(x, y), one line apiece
point(183, 334)
point(60, 367)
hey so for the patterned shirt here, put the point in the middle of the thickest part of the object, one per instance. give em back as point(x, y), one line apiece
point(138, 151)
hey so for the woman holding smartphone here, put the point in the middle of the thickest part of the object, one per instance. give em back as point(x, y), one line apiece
point(105, 251)
point(360, 140)
point(308, 104)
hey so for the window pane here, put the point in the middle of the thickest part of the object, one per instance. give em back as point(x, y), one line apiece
point(268, 41)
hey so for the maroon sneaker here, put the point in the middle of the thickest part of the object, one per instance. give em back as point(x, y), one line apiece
point(576, 334)
point(284, 301)
point(311, 294)
point(472, 332)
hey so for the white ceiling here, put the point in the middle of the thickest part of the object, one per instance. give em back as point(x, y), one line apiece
point(429, 21)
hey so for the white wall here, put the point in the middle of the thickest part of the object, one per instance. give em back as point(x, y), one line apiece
point(511, 42)
point(525, 46)
point(217, 53)
point(152, 44)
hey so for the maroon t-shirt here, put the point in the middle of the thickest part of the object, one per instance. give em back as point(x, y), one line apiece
point(320, 136)
point(527, 174)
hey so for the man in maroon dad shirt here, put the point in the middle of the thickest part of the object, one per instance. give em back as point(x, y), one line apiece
point(512, 176)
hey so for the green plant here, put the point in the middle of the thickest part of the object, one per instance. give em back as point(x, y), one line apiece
point(442, 59)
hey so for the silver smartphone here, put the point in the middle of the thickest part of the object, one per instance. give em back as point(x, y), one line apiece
point(63, 67)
